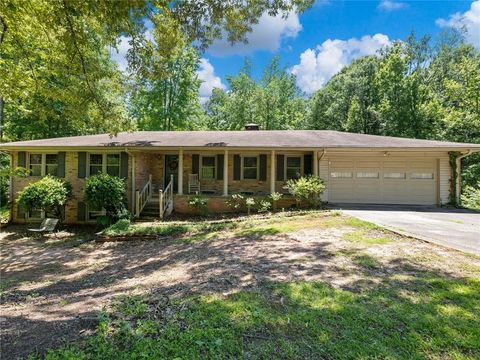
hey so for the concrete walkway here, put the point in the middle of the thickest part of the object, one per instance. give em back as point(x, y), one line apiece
point(453, 228)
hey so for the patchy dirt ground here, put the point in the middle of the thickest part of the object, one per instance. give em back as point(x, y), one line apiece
point(52, 289)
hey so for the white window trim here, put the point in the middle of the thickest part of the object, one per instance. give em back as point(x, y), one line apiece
point(43, 164)
point(367, 177)
point(285, 164)
point(42, 216)
point(422, 178)
point(242, 167)
point(104, 161)
point(215, 167)
point(87, 215)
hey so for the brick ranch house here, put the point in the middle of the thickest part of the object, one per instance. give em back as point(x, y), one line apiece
point(162, 169)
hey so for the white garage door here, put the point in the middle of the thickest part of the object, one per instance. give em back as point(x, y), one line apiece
point(383, 181)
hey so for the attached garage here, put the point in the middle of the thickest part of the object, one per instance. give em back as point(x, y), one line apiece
point(384, 180)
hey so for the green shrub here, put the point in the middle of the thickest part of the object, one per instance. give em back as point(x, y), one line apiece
point(275, 197)
point(199, 203)
point(236, 202)
point(49, 194)
point(249, 203)
point(264, 206)
point(471, 197)
point(306, 190)
point(107, 192)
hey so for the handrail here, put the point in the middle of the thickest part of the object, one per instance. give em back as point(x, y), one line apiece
point(142, 197)
point(165, 197)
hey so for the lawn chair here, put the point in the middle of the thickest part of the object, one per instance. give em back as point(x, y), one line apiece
point(47, 225)
point(193, 184)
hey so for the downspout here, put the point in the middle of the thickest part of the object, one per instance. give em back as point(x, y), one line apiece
point(133, 178)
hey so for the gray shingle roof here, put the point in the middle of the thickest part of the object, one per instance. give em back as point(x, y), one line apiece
point(238, 139)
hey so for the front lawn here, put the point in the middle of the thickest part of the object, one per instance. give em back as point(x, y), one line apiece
point(317, 285)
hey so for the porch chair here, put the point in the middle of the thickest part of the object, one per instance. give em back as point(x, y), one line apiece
point(47, 225)
point(193, 184)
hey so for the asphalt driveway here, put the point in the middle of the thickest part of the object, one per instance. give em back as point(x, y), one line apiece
point(453, 228)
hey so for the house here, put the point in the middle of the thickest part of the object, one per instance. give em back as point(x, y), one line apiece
point(162, 168)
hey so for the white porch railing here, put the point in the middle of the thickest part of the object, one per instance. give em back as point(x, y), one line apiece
point(142, 197)
point(166, 198)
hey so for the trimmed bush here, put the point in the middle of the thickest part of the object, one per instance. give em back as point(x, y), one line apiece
point(107, 192)
point(199, 203)
point(49, 194)
point(236, 202)
point(306, 190)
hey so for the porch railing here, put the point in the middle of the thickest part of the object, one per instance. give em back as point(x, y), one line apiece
point(166, 198)
point(142, 196)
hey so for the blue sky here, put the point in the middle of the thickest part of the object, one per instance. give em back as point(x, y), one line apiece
point(318, 43)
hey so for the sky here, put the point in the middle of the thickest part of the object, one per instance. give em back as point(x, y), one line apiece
point(318, 43)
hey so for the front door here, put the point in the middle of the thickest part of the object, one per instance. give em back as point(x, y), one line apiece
point(171, 168)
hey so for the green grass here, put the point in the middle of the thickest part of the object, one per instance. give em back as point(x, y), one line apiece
point(365, 237)
point(439, 319)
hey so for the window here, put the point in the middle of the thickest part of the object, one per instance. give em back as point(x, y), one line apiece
point(421, 176)
point(367, 175)
point(113, 164)
point(341, 175)
point(43, 164)
point(104, 163)
point(35, 214)
point(94, 213)
point(208, 168)
point(394, 175)
point(35, 164)
point(250, 167)
point(293, 167)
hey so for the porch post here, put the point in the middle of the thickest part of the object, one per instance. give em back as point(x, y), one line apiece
point(180, 172)
point(315, 163)
point(134, 184)
point(272, 171)
point(225, 173)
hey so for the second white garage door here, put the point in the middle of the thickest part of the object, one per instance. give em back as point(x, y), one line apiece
point(382, 181)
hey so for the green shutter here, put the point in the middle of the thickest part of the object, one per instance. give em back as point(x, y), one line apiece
point(61, 164)
point(81, 211)
point(195, 163)
point(307, 164)
point(280, 167)
point(236, 167)
point(22, 159)
point(263, 168)
point(124, 165)
point(20, 212)
point(220, 161)
point(82, 165)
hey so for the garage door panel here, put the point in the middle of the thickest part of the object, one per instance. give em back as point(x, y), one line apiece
point(387, 181)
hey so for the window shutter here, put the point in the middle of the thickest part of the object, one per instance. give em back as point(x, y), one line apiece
point(61, 164)
point(263, 168)
point(81, 211)
point(219, 169)
point(236, 167)
point(82, 165)
point(20, 212)
point(124, 165)
point(195, 164)
point(280, 167)
point(307, 164)
point(22, 159)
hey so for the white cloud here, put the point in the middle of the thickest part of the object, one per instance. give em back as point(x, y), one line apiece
point(318, 65)
point(388, 5)
point(266, 35)
point(119, 55)
point(206, 73)
point(469, 20)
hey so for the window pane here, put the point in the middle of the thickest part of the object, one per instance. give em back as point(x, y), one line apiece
point(113, 159)
point(51, 159)
point(95, 169)
point(35, 214)
point(36, 159)
point(341, 175)
point(293, 162)
point(250, 173)
point(394, 175)
point(421, 176)
point(250, 161)
point(293, 173)
point(208, 173)
point(51, 170)
point(113, 170)
point(96, 159)
point(367, 175)
point(35, 170)
point(208, 161)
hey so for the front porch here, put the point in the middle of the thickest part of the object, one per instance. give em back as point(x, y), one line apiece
point(164, 180)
